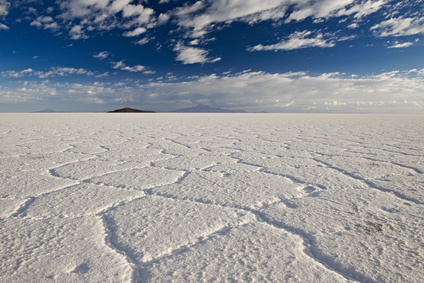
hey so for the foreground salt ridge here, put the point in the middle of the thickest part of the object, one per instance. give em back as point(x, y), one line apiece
point(228, 197)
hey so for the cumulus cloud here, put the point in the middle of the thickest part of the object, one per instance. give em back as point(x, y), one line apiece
point(136, 32)
point(401, 45)
point(53, 72)
point(144, 41)
point(77, 32)
point(46, 91)
point(82, 17)
point(201, 15)
point(295, 91)
point(4, 7)
point(122, 66)
point(400, 26)
point(101, 55)
point(362, 9)
point(4, 10)
point(317, 9)
point(297, 40)
point(334, 8)
point(192, 55)
point(3, 27)
point(45, 22)
point(280, 92)
point(222, 11)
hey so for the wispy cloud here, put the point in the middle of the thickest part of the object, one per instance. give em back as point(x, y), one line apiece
point(204, 13)
point(3, 27)
point(136, 32)
point(361, 9)
point(297, 40)
point(4, 7)
point(102, 55)
point(4, 10)
point(83, 17)
point(45, 22)
point(124, 67)
point(334, 8)
point(192, 55)
point(53, 72)
point(121, 65)
point(201, 15)
point(400, 26)
point(401, 45)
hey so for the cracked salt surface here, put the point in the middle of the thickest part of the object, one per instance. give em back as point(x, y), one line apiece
point(211, 197)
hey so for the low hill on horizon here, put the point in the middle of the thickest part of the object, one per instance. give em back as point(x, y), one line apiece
point(206, 109)
point(129, 110)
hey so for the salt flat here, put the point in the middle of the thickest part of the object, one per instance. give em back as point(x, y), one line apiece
point(211, 198)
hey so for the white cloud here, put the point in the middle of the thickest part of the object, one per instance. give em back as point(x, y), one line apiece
point(387, 92)
point(15, 74)
point(3, 27)
point(318, 9)
point(400, 27)
point(334, 8)
point(53, 72)
point(83, 17)
point(144, 41)
point(119, 5)
point(296, 91)
point(201, 15)
point(297, 40)
point(163, 18)
point(77, 32)
point(363, 8)
point(4, 10)
point(192, 55)
point(401, 45)
point(39, 92)
point(45, 22)
point(223, 10)
point(353, 26)
point(101, 55)
point(122, 66)
point(136, 32)
point(4, 7)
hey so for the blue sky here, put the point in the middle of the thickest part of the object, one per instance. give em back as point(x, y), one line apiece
point(254, 55)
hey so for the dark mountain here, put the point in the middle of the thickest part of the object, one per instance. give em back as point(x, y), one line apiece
point(129, 110)
point(206, 109)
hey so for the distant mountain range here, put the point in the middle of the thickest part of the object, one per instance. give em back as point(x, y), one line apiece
point(195, 109)
point(206, 109)
point(49, 111)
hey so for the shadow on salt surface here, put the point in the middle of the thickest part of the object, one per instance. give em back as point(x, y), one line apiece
point(153, 227)
point(248, 253)
point(365, 234)
point(10, 206)
point(63, 250)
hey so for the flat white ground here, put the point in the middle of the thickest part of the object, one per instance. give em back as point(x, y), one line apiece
point(211, 197)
